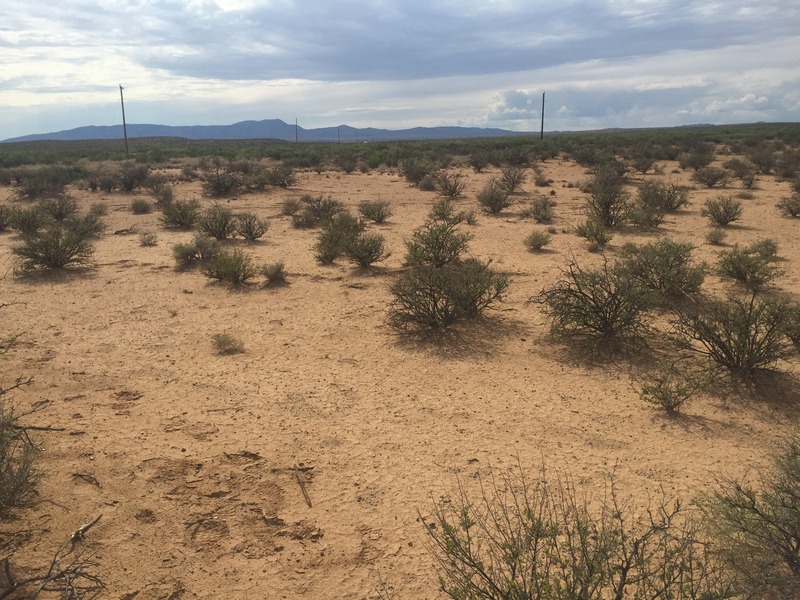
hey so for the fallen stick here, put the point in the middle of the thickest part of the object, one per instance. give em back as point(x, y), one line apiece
point(80, 532)
point(302, 486)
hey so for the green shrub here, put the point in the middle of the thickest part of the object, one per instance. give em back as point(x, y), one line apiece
point(710, 176)
point(751, 266)
point(275, 273)
point(443, 210)
point(663, 267)
point(282, 176)
point(478, 160)
point(429, 297)
point(160, 189)
point(790, 207)
point(608, 203)
point(141, 206)
point(437, 243)
point(218, 222)
point(316, 211)
point(55, 247)
point(60, 208)
point(744, 171)
point(450, 185)
point(28, 221)
point(290, 206)
point(746, 336)
point(18, 474)
point(148, 238)
point(225, 344)
point(200, 249)
point(132, 175)
point(669, 390)
point(537, 240)
point(757, 527)
point(594, 232)
point(366, 248)
point(250, 227)
point(541, 209)
point(604, 304)
point(722, 211)
point(493, 197)
point(673, 197)
point(98, 209)
point(716, 236)
point(88, 225)
point(6, 217)
point(336, 236)
point(511, 179)
point(377, 211)
point(415, 169)
point(525, 536)
point(220, 181)
point(181, 214)
point(234, 267)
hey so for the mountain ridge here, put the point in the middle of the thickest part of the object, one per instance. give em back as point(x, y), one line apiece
point(266, 129)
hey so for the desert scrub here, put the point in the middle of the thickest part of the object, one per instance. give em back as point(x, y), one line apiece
point(493, 198)
point(594, 232)
point(722, 211)
point(415, 169)
point(366, 249)
point(148, 238)
point(250, 227)
point(274, 273)
point(141, 206)
point(225, 344)
point(716, 236)
point(201, 248)
point(18, 473)
point(525, 536)
point(605, 304)
point(315, 210)
point(608, 203)
point(5, 217)
point(437, 243)
point(450, 185)
point(220, 181)
point(28, 221)
point(511, 179)
point(217, 222)
point(377, 211)
point(664, 267)
point(180, 214)
point(744, 335)
point(540, 208)
point(752, 266)
point(744, 171)
point(790, 206)
point(55, 247)
point(336, 235)
point(537, 240)
point(756, 524)
point(669, 389)
point(710, 176)
point(234, 267)
point(290, 206)
point(444, 211)
point(60, 208)
point(429, 297)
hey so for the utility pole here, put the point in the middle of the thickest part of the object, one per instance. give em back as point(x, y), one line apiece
point(541, 133)
point(124, 125)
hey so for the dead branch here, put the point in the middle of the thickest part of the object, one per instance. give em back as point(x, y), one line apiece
point(79, 534)
point(302, 486)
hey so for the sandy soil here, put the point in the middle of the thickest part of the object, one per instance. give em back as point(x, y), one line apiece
point(197, 456)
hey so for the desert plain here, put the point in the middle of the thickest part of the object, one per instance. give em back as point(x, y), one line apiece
point(301, 467)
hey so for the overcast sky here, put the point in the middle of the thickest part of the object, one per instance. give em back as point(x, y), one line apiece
point(397, 64)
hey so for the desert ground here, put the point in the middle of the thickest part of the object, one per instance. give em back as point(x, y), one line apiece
point(195, 460)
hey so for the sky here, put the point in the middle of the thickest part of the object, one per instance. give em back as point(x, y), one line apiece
point(396, 64)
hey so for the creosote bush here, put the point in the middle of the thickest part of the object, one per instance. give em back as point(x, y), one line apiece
point(141, 206)
point(450, 184)
point(437, 243)
point(201, 248)
point(148, 238)
point(716, 236)
point(366, 249)
point(540, 208)
point(493, 197)
point(710, 176)
point(315, 210)
point(663, 267)
point(377, 211)
point(722, 211)
point(511, 179)
point(744, 335)
point(605, 304)
point(753, 266)
point(218, 222)
point(757, 527)
point(669, 389)
point(180, 214)
point(535, 536)
point(790, 206)
point(250, 227)
point(537, 240)
point(234, 267)
point(225, 344)
point(595, 233)
point(56, 247)
point(608, 203)
point(336, 236)
point(28, 221)
point(60, 208)
point(6, 215)
point(274, 273)
point(429, 297)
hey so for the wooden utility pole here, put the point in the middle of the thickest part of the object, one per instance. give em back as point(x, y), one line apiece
point(541, 132)
point(124, 125)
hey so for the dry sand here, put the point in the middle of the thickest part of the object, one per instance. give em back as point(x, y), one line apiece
point(197, 456)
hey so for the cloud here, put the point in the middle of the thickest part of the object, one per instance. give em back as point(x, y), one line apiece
point(397, 63)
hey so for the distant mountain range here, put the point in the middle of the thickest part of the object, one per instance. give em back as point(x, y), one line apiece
point(267, 129)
